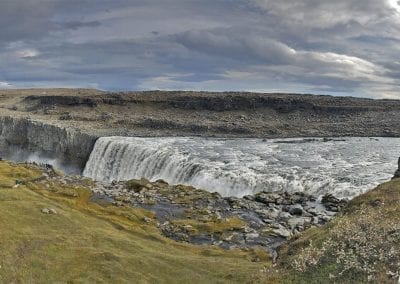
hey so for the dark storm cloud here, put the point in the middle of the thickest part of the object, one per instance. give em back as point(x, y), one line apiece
point(346, 47)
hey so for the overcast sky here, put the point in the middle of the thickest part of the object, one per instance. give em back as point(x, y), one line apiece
point(341, 47)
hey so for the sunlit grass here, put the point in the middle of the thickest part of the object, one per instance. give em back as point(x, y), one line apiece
point(89, 242)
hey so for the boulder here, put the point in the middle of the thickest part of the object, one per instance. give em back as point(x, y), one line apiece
point(267, 197)
point(281, 232)
point(296, 210)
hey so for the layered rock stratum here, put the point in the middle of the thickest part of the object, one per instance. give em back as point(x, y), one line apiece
point(65, 123)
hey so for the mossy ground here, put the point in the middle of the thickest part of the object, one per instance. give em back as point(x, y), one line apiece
point(88, 242)
point(212, 226)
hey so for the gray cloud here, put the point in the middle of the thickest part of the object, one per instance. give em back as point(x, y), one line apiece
point(24, 20)
point(75, 25)
point(336, 47)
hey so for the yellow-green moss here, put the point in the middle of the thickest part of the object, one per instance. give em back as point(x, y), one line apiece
point(211, 226)
point(87, 242)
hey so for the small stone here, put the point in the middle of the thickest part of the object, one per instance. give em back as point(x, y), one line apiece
point(315, 220)
point(147, 220)
point(299, 223)
point(252, 236)
point(284, 215)
point(282, 233)
point(52, 211)
point(49, 211)
point(45, 211)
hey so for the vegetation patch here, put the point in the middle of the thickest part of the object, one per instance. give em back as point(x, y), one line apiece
point(360, 245)
point(86, 242)
point(211, 226)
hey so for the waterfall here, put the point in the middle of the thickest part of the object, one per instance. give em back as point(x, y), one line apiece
point(119, 158)
point(237, 167)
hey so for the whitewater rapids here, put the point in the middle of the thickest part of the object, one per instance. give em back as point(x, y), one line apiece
point(238, 167)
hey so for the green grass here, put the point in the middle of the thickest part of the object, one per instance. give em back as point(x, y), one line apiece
point(86, 242)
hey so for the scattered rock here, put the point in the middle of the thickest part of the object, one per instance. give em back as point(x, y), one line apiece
point(397, 173)
point(296, 210)
point(282, 232)
point(65, 116)
point(332, 203)
point(186, 214)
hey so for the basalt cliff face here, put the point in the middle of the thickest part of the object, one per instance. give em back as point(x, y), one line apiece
point(20, 138)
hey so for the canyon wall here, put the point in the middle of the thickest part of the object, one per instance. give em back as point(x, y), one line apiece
point(21, 138)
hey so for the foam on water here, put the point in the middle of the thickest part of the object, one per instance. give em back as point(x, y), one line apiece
point(237, 167)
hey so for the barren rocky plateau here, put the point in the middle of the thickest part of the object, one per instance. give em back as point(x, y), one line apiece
point(181, 113)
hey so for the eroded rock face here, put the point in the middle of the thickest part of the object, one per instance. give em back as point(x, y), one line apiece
point(21, 138)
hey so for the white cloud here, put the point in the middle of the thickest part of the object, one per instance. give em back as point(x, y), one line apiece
point(27, 53)
point(324, 14)
point(5, 85)
point(395, 4)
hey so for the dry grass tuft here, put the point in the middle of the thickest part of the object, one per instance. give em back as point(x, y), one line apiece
point(360, 245)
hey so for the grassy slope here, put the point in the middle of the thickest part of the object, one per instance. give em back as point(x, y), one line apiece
point(86, 242)
point(361, 244)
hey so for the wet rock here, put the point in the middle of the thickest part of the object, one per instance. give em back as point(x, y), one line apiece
point(312, 210)
point(296, 210)
point(397, 173)
point(138, 185)
point(249, 197)
point(265, 219)
point(267, 197)
point(332, 203)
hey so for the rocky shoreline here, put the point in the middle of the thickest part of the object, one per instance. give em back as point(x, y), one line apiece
point(186, 214)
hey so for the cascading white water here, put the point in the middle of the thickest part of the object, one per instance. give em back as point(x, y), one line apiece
point(237, 167)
